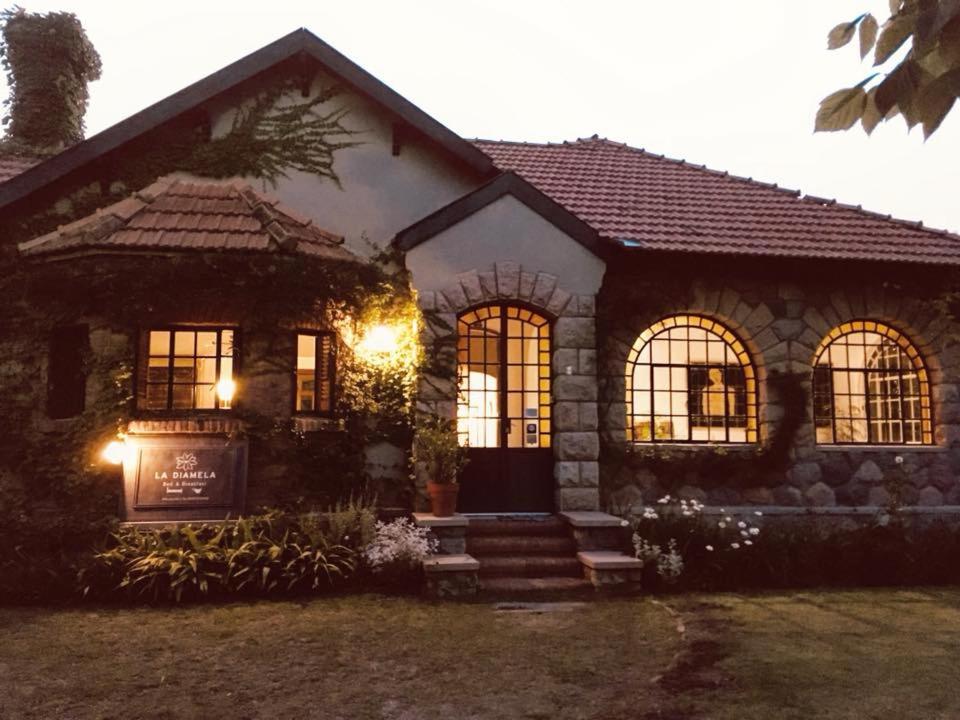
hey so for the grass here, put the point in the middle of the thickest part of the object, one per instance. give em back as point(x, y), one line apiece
point(865, 654)
point(839, 655)
point(357, 657)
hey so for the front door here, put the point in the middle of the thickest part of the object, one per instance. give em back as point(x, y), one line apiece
point(503, 409)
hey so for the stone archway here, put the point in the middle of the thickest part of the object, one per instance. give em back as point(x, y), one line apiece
point(574, 415)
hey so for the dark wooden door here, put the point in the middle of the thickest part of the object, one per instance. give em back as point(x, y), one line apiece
point(503, 409)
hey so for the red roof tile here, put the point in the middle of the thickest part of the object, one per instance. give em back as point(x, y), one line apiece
point(13, 165)
point(180, 213)
point(653, 202)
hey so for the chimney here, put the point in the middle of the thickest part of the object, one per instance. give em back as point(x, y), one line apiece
point(48, 60)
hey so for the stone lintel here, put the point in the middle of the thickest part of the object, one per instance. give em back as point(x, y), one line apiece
point(451, 563)
point(591, 519)
point(430, 520)
point(608, 560)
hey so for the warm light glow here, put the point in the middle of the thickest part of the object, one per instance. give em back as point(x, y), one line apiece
point(380, 340)
point(114, 452)
point(226, 387)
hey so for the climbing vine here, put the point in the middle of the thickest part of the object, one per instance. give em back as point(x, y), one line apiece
point(48, 60)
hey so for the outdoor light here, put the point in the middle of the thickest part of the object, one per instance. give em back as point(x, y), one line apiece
point(114, 452)
point(225, 389)
point(380, 340)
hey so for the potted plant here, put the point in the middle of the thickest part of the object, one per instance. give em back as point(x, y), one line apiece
point(438, 448)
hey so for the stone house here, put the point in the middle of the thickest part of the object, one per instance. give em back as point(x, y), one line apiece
point(605, 325)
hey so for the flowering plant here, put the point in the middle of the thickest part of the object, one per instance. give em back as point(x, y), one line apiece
point(398, 545)
point(667, 536)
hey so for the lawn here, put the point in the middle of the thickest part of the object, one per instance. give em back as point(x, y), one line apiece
point(871, 654)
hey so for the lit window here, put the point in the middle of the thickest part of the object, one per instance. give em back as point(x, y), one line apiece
point(689, 379)
point(870, 386)
point(314, 373)
point(188, 369)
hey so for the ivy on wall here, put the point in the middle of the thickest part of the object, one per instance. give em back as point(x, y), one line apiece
point(48, 60)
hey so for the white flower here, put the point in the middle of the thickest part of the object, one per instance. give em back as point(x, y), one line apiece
point(709, 548)
point(741, 524)
point(722, 510)
point(623, 523)
point(754, 531)
point(728, 519)
point(664, 500)
point(748, 542)
point(744, 533)
point(721, 524)
point(399, 541)
point(735, 545)
point(898, 459)
point(758, 513)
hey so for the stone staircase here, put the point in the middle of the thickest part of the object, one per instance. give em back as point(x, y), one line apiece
point(511, 555)
point(525, 554)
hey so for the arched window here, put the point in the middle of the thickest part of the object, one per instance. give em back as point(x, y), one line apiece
point(689, 379)
point(870, 386)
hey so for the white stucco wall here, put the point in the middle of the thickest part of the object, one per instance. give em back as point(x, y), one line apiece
point(380, 193)
point(505, 231)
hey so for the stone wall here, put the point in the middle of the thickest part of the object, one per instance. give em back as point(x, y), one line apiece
point(780, 311)
point(575, 420)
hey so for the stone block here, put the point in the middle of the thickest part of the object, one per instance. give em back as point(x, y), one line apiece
point(578, 499)
point(470, 282)
point(787, 495)
point(558, 301)
point(590, 473)
point(566, 416)
point(591, 519)
point(869, 473)
point(930, 497)
point(589, 417)
point(788, 329)
point(567, 473)
point(565, 358)
point(456, 297)
point(691, 492)
point(878, 496)
point(587, 305)
point(543, 289)
point(488, 284)
point(575, 387)
point(758, 319)
point(758, 496)
point(587, 362)
point(508, 279)
point(570, 332)
point(805, 474)
point(577, 445)
point(821, 495)
point(527, 281)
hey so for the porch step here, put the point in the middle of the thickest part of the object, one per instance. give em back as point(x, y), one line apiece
point(481, 545)
point(530, 586)
point(530, 566)
point(547, 526)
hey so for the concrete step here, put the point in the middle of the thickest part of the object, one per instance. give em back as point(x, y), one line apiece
point(530, 566)
point(548, 525)
point(480, 545)
point(532, 586)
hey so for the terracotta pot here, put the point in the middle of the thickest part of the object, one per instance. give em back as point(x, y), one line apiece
point(443, 498)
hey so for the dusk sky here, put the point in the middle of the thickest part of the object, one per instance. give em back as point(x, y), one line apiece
point(732, 85)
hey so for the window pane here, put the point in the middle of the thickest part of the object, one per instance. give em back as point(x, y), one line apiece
point(183, 344)
point(306, 352)
point(206, 344)
point(159, 342)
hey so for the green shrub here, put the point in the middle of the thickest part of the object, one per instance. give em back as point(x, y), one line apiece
point(250, 557)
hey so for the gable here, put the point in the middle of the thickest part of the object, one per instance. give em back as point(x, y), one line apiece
point(427, 142)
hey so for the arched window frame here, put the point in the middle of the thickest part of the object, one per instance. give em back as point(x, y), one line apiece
point(653, 434)
point(823, 398)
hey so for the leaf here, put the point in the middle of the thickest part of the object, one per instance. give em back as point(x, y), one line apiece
point(868, 34)
point(841, 35)
point(840, 110)
point(935, 100)
point(894, 6)
point(949, 47)
point(900, 88)
point(871, 115)
point(895, 32)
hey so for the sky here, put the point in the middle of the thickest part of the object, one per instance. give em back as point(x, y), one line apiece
point(733, 85)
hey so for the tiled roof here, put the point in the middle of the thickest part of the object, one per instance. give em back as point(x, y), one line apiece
point(13, 165)
point(653, 202)
point(179, 213)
